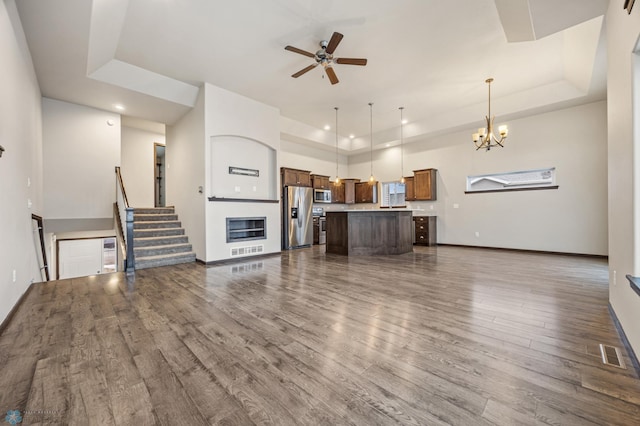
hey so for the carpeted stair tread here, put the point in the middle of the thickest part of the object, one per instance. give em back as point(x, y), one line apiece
point(164, 260)
point(161, 250)
point(158, 240)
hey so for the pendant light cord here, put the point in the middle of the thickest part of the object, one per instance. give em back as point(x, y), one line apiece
point(371, 133)
point(337, 178)
point(401, 144)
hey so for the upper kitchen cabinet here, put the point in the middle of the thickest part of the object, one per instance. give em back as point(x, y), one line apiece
point(337, 192)
point(409, 188)
point(350, 190)
point(366, 192)
point(344, 192)
point(320, 182)
point(424, 184)
point(295, 177)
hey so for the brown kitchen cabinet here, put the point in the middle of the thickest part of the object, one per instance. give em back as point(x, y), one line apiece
point(409, 188)
point(424, 184)
point(366, 192)
point(320, 182)
point(350, 190)
point(337, 192)
point(425, 230)
point(295, 177)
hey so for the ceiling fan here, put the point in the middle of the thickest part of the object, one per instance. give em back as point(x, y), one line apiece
point(324, 57)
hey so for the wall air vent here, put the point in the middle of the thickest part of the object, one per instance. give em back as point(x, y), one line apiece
point(247, 251)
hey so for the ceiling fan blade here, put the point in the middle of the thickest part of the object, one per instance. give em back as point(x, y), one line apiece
point(300, 51)
point(333, 43)
point(331, 74)
point(350, 61)
point(304, 70)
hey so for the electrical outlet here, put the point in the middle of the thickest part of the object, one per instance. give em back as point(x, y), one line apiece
point(456, 206)
point(477, 234)
point(14, 276)
point(615, 277)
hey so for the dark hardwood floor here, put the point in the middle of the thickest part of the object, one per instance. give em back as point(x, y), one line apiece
point(444, 335)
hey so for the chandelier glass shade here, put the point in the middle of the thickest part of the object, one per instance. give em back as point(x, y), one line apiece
point(486, 138)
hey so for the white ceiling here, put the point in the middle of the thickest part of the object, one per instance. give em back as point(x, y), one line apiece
point(430, 56)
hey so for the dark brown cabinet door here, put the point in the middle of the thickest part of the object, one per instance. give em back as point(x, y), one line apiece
point(409, 189)
point(294, 177)
point(366, 192)
point(425, 184)
point(320, 182)
point(337, 192)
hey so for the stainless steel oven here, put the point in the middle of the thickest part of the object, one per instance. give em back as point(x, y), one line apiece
point(319, 226)
point(322, 237)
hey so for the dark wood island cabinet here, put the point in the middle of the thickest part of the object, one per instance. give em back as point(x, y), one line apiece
point(369, 232)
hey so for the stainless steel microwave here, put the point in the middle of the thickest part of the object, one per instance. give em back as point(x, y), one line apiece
point(321, 195)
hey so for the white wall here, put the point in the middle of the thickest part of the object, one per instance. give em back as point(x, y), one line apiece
point(230, 114)
point(234, 151)
point(572, 219)
point(622, 35)
point(185, 170)
point(317, 161)
point(21, 136)
point(81, 151)
point(138, 165)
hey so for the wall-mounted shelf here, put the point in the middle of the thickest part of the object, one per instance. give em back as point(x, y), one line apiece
point(243, 200)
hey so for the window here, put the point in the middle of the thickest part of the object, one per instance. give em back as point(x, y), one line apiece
point(393, 194)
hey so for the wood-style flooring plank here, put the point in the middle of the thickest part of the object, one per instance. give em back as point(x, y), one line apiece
point(438, 336)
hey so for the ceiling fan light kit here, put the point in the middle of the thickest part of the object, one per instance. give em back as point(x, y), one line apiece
point(324, 57)
point(485, 138)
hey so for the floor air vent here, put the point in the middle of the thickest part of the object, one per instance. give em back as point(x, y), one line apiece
point(247, 251)
point(611, 356)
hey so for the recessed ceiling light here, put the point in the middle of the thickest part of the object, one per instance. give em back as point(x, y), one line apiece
point(352, 136)
point(405, 121)
point(388, 145)
point(327, 127)
point(119, 107)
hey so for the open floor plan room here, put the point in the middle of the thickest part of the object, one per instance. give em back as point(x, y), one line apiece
point(442, 335)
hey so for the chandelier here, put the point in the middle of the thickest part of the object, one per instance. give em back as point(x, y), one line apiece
point(485, 138)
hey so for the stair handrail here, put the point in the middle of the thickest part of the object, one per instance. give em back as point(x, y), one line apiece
point(126, 221)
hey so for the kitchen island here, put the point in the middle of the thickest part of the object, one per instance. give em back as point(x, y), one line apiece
point(369, 232)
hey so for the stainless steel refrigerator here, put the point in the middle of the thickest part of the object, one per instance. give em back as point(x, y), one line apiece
point(297, 222)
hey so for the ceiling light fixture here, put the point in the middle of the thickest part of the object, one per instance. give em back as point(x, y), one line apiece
point(327, 127)
point(485, 139)
point(351, 136)
point(119, 107)
point(371, 178)
point(337, 181)
point(402, 123)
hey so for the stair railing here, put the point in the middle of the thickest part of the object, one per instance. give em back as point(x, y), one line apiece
point(126, 221)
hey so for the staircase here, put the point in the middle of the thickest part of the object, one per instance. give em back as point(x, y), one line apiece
point(158, 238)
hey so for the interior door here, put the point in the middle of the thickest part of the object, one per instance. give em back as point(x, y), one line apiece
point(79, 258)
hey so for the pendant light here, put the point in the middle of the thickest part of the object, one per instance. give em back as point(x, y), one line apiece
point(401, 146)
point(371, 178)
point(337, 181)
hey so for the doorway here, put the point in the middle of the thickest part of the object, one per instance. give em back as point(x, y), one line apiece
point(159, 174)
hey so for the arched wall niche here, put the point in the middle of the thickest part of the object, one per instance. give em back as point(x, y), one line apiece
point(239, 152)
